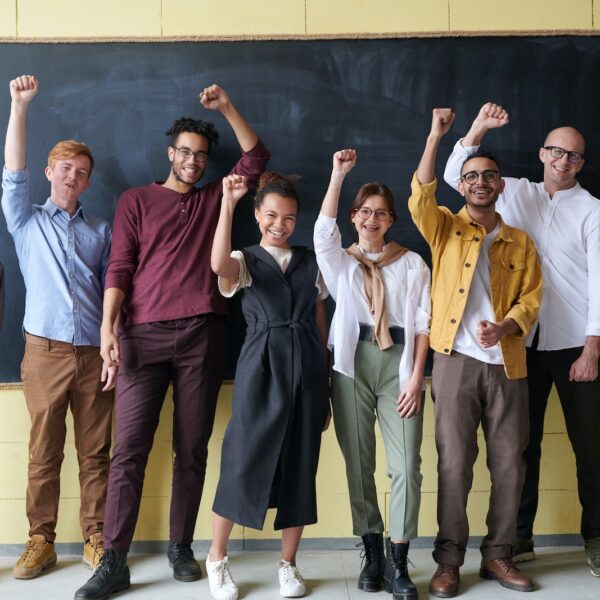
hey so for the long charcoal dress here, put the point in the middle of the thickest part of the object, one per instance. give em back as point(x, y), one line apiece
point(280, 400)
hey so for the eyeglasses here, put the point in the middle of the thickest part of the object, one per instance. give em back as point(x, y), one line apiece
point(185, 153)
point(558, 152)
point(380, 214)
point(488, 175)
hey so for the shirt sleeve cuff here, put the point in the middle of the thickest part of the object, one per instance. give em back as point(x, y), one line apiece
point(464, 150)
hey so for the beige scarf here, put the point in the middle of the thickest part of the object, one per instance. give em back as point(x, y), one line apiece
point(374, 289)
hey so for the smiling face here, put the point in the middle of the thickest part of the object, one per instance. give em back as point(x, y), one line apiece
point(483, 192)
point(371, 230)
point(68, 179)
point(560, 173)
point(185, 172)
point(276, 218)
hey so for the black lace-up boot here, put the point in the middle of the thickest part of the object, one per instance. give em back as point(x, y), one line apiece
point(396, 579)
point(181, 558)
point(371, 576)
point(112, 575)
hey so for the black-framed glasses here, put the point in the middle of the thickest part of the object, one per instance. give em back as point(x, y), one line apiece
point(380, 214)
point(185, 153)
point(558, 152)
point(487, 174)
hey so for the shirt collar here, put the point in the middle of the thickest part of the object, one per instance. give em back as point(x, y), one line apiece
point(52, 209)
point(503, 233)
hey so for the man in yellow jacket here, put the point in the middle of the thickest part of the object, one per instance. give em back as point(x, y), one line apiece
point(486, 292)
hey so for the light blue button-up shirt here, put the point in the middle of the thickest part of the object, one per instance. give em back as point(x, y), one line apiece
point(63, 260)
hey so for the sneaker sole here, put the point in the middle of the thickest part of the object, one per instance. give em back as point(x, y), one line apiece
point(510, 586)
point(524, 557)
point(36, 573)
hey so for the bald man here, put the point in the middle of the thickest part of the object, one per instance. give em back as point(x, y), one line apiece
point(564, 221)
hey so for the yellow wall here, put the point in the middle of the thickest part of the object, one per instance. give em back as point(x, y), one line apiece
point(559, 509)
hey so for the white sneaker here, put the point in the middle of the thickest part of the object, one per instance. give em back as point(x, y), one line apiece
point(291, 584)
point(220, 582)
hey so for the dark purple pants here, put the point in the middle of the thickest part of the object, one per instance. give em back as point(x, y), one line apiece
point(190, 353)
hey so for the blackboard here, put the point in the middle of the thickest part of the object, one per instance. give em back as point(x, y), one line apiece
point(306, 99)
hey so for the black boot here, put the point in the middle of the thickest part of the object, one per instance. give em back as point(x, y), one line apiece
point(395, 579)
point(181, 558)
point(112, 575)
point(371, 576)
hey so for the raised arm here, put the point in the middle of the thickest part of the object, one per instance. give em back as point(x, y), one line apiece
point(343, 163)
point(22, 91)
point(234, 187)
point(440, 124)
point(490, 116)
point(214, 97)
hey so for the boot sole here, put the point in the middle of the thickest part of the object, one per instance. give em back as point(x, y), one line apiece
point(511, 586)
point(119, 588)
point(185, 578)
point(387, 587)
point(367, 586)
point(37, 573)
point(594, 573)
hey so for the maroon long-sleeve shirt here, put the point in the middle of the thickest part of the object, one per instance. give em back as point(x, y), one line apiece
point(161, 244)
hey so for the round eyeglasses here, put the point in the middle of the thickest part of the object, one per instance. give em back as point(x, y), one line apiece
point(487, 174)
point(380, 214)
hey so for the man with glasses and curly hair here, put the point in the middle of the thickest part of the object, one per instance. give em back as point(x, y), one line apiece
point(563, 219)
point(485, 297)
point(173, 332)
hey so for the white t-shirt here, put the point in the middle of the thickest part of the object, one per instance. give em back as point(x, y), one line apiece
point(282, 256)
point(479, 308)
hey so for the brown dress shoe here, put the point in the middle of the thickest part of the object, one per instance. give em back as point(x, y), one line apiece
point(504, 571)
point(444, 583)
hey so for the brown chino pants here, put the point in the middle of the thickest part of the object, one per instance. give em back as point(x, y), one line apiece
point(56, 376)
point(467, 392)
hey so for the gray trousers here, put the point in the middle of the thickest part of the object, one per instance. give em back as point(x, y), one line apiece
point(356, 404)
point(467, 392)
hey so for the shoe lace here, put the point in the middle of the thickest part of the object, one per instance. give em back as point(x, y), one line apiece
point(32, 547)
point(182, 550)
point(223, 574)
point(507, 564)
point(108, 563)
point(97, 545)
point(289, 571)
point(367, 554)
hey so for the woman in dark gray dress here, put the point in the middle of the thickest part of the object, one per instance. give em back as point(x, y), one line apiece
point(280, 406)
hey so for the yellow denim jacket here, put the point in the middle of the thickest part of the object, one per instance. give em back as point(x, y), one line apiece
point(515, 274)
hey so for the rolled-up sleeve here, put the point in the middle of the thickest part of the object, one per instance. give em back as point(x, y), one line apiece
point(15, 198)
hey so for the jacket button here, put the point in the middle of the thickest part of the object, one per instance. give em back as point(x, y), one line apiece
point(452, 321)
point(467, 265)
point(462, 291)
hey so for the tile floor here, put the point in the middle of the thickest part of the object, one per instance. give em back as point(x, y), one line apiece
point(559, 572)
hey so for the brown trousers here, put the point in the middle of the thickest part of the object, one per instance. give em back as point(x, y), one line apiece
point(56, 376)
point(467, 392)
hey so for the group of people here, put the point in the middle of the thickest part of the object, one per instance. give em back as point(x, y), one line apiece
point(512, 308)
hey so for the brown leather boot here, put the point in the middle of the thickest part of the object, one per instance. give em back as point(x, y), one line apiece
point(444, 583)
point(504, 571)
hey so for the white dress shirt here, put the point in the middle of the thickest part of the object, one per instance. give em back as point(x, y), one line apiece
point(407, 277)
point(566, 232)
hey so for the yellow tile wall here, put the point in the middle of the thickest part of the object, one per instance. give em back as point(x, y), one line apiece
point(88, 18)
point(559, 506)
